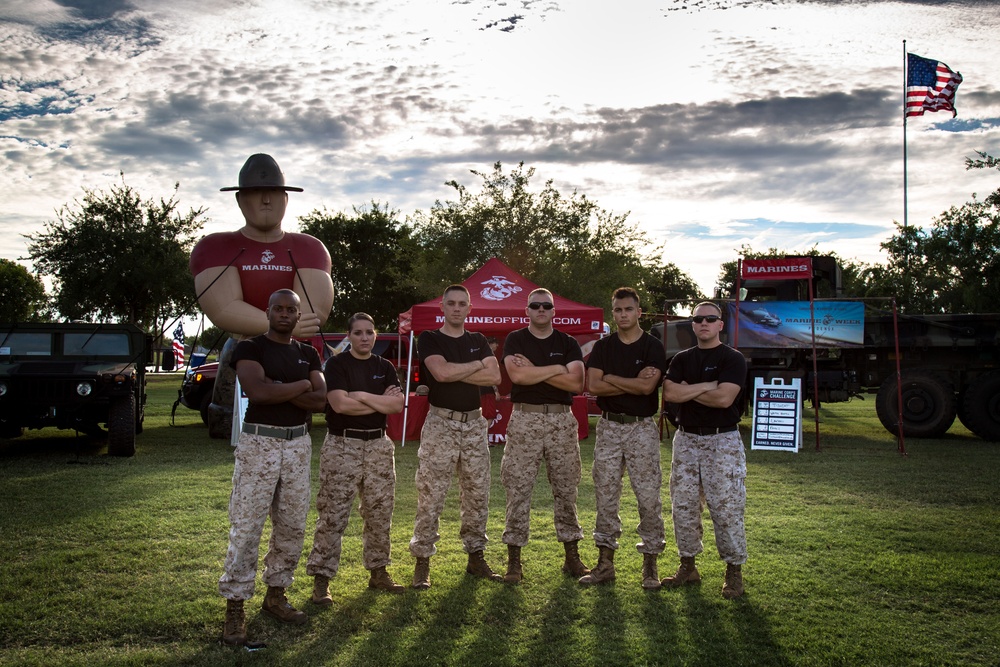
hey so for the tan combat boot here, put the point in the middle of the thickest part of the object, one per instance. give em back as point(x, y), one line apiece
point(276, 605)
point(234, 632)
point(733, 588)
point(422, 574)
point(650, 574)
point(478, 567)
point(573, 565)
point(514, 574)
point(321, 591)
point(604, 571)
point(380, 580)
point(686, 573)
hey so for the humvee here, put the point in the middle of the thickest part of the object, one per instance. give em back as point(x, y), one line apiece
point(74, 376)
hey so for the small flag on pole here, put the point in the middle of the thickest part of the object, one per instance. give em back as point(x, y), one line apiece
point(178, 346)
point(930, 86)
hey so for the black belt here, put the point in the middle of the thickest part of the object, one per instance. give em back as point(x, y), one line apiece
point(544, 408)
point(283, 432)
point(360, 433)
point(708, 430)
point(622, 419)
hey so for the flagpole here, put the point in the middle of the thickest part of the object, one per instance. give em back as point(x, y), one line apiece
point(906, 207)
point(905, 203)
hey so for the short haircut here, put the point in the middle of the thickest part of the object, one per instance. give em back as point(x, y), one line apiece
point(540, 290)
point(359, 316)
point(456, 288)
point(283, 292)
point(710, 304)
point(625, 293)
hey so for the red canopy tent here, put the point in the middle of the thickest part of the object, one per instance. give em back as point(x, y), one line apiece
point(499, 296)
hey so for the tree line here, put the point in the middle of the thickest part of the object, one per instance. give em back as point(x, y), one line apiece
point(114, 255)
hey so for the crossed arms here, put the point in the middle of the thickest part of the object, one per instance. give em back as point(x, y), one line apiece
point(710, 394)
point(480, 372)
point(568, 377)
point(306, 394)
point(601, 384)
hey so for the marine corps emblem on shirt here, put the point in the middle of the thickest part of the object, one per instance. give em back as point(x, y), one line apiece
point(266, 256)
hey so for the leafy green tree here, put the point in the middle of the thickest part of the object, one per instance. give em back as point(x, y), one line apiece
point(373, 263)
point(212, 338)
point(22, 295)
point(114, 256)
point(668, 284)
point(986, 161)
point(567, 244)
point(954, 267)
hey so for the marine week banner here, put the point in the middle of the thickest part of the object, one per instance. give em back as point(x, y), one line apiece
point(788, 323)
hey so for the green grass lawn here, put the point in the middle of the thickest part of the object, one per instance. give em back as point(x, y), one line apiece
point(858, 556)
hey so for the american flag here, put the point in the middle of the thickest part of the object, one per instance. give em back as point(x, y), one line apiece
point(930, 86)
point(178, 346)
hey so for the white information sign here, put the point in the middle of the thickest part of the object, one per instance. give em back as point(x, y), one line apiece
point(777, 415)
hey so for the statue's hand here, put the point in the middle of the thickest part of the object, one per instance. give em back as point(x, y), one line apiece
point(309, 325)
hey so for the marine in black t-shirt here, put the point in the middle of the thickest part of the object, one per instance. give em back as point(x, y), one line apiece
point(721, 364)
point(469, 346)
point(282, 364)
point(373, 375)
point(615, 357)
point(556, 348)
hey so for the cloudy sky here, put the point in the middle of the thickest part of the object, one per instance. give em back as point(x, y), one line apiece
point(713, 122)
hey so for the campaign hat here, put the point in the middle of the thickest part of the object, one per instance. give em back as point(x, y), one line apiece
point(260, 172)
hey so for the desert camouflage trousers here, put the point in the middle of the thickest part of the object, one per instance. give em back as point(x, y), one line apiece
point(634, 447)
point(270, 477)
point(447, 445)
point(532, 437)
point(713, 469)
point(349, 467)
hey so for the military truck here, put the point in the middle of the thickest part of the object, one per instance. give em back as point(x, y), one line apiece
point(74, 376)
point(949, 364)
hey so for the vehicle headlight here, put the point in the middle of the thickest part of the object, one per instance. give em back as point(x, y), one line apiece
point(84, 388)
point(3, 388)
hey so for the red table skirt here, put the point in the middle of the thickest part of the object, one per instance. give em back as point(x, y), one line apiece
point(498, 424)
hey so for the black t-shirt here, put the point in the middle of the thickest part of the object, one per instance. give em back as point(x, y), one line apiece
point(470, 346)
point(721, 363)
point(347, 372)
point(281, 363)
point(614, 357)
point(556, 348)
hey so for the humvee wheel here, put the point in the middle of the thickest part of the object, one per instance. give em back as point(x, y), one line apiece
point(121, 426)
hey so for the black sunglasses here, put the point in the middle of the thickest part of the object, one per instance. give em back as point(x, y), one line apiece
point(535, 305)
point(711, 319)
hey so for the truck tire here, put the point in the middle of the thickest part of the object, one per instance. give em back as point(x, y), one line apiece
point(121, 426)
point(981, 406)
point(928, 405)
